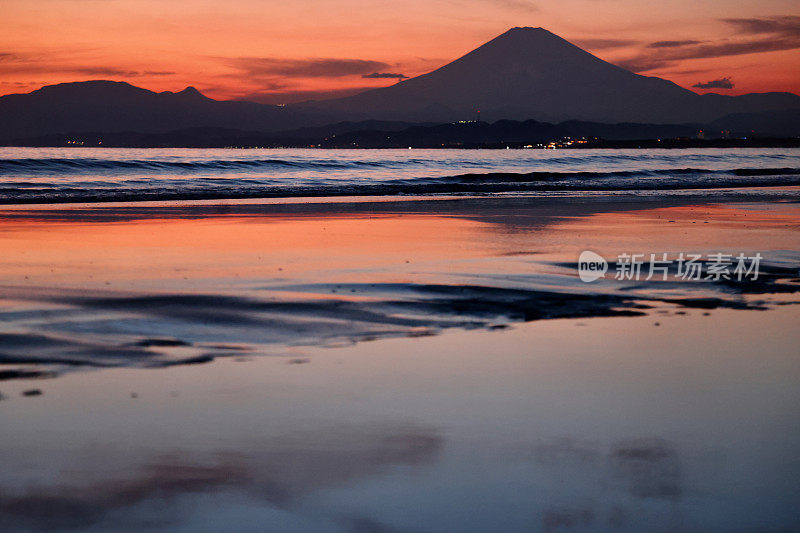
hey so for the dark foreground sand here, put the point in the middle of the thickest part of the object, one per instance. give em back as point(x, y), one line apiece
point(416, 365)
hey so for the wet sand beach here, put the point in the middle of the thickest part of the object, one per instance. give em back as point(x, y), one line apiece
point(410, 364)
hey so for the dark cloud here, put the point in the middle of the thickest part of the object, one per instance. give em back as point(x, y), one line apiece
point(22, 83)
point(275, 77)
point(691, 72)
point(272, 86)
point(601, 44)
point(379, 75)
point(60, 68)
point(770, 34)
point(670, 56)
point(722, 83)
point(159, 73)
point(788, 26)
point(104, 71)
point(672, 44)
point(739, 48)
point(33, 64)
point(644, 64)
point(305, 68)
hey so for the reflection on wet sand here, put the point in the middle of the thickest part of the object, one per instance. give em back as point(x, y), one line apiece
point(163, 285)
point(631, 473)
point(647, 468)
point(558, 432)
point(277, 472)
point(132, 330)
point(414, 369)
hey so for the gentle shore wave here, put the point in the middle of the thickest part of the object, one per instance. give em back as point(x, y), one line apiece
point(127, 175)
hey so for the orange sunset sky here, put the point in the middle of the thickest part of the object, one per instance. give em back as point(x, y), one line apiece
point(286, 51)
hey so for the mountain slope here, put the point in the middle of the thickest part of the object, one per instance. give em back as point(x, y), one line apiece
point(532, 73)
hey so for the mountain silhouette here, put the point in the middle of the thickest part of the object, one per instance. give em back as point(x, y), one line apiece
point(533, 73)
point(109, 106)
point(525, 73)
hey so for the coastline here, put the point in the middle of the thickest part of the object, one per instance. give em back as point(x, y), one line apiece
point(469, 185)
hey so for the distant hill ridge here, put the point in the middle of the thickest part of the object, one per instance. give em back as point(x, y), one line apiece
point(774, 129)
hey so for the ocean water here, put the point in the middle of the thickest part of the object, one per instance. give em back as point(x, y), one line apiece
point(44, 175)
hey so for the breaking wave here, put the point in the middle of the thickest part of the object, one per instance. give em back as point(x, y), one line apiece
point(91, 175)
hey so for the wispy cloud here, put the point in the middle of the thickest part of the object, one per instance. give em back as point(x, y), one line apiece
point(769, 34)
point(159, 72)
point(672, 44)
point(20, 63)
point(104, 71)
point(304, 68)
point(788, 26)
point(603, 44)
